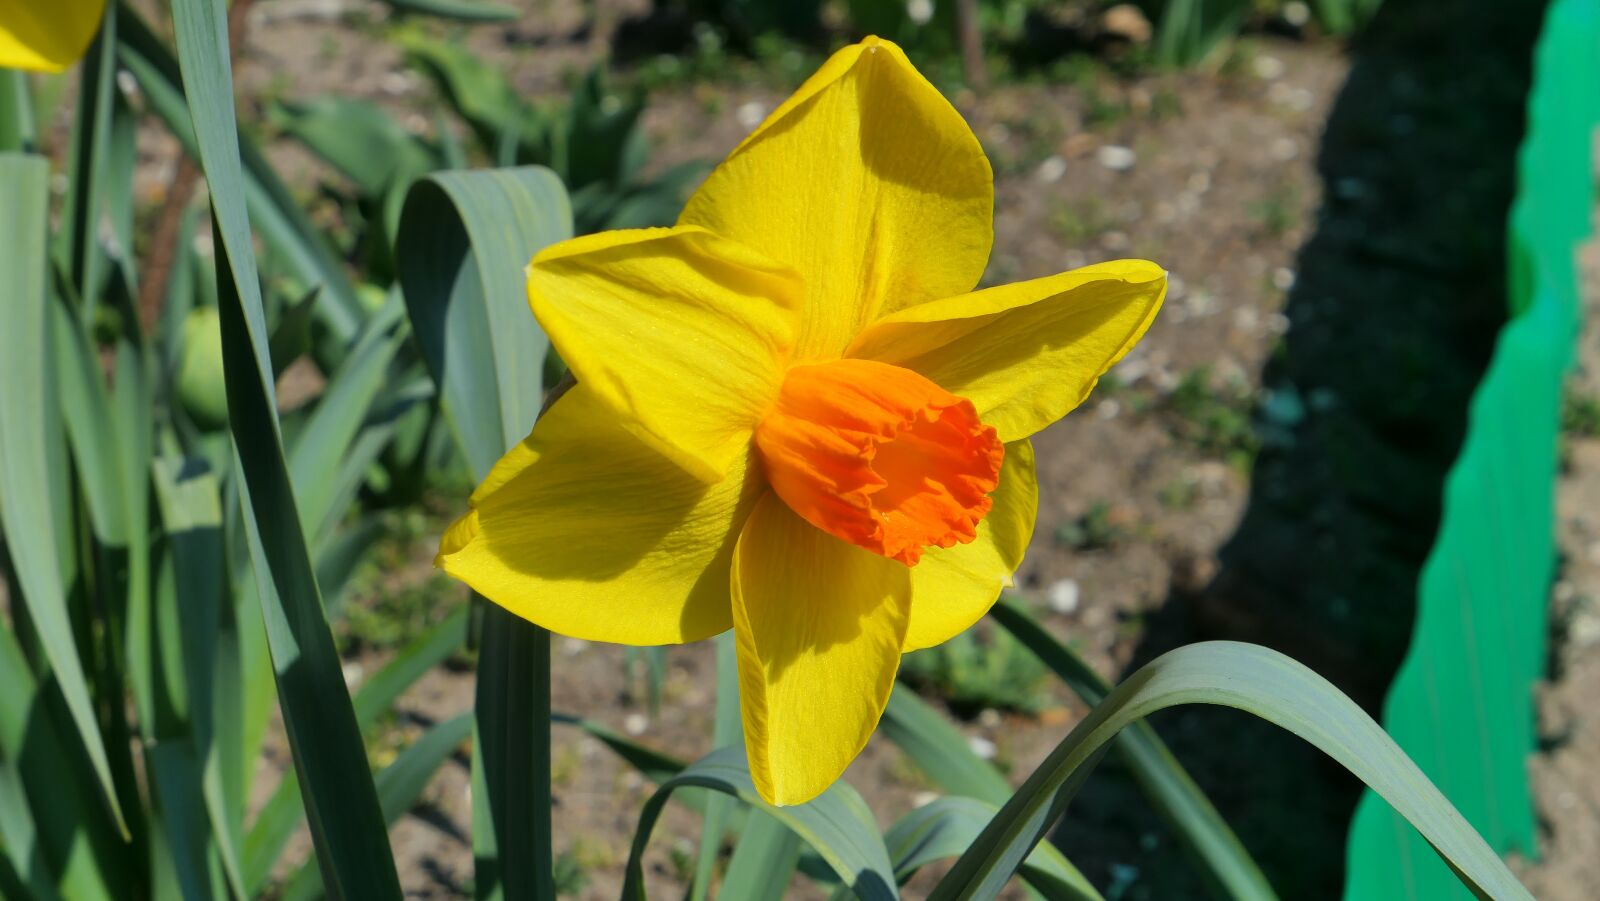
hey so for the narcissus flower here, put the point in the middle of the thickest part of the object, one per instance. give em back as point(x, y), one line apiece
point(46, 36)
point(795, 418)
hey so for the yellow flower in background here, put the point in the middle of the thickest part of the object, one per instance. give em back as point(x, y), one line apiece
point(46, 35)
point(795, 418)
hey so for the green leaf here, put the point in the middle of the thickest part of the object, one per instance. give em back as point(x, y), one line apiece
point(283, 226)
point(399, 786)
point(86, 190)
point(347, 826)
point(1255, 680)
point(946, 827)
point(1202, 831)
point(323, 444)
point(837, 824)
point(763, 861)
point(28, 414)
point(191, 516)
point(48, 804)
point(18, 131)
point(939, 750)
point(281, 814)
point(511, 834)
point(358, 138)
point(1190, 30)
point(727, 730)
point(654, 765)
point(461, 10)
point(465, 239)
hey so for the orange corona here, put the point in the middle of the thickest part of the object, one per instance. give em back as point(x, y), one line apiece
point(880, 456)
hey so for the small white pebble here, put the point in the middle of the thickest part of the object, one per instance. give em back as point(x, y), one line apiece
point(635, 723)
point(1063, 595)
point(1283, 278)
point(397, 83)
point(1296, 13)
point(1115, 241)
point(920, 12)
point(1277, 324)
point(1051, 170)
point(924, 798)
point(1246, 319)
point(1268, 68)
point(1284, 149)
point(353, 672)
point(750, 114)
point(1107, 409)
point(572, 647)
point(989, 718)
point(982, 747)
point(1116, 157)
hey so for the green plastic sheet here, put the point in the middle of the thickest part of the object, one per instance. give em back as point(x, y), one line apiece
point(1463, 703)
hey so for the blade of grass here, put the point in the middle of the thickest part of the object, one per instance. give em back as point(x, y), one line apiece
point(347, 824)
point(1255, 680)
point(28, 412)
point(1205, 835)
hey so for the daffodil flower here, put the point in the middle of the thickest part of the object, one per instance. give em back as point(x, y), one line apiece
point(46, 36)
point(795, 418)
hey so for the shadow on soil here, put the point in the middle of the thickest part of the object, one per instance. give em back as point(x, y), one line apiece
point(1393, 316)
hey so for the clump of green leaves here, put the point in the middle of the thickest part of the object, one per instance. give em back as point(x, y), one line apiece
point(1580, 414)
point(1215, 418)
point(980, 669)
point(1097, 529)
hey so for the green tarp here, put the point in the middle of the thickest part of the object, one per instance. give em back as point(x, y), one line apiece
point(1463, 703)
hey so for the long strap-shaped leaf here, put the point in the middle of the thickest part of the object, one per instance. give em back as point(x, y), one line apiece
point(27, 418)
point(837, 824)
point(464, 240)
point(1223, 860)
point(347, 824)
point(1256, 680)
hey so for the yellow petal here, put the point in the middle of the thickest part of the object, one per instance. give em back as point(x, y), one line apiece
point(1024, 354)
point(819, 624)
point(953, 587)
point(587, 532)
point(46, 37)
point(684, 334)
point(869, 184)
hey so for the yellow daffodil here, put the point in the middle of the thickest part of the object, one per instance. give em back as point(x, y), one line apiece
point(46, 36)
point(795, 418)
